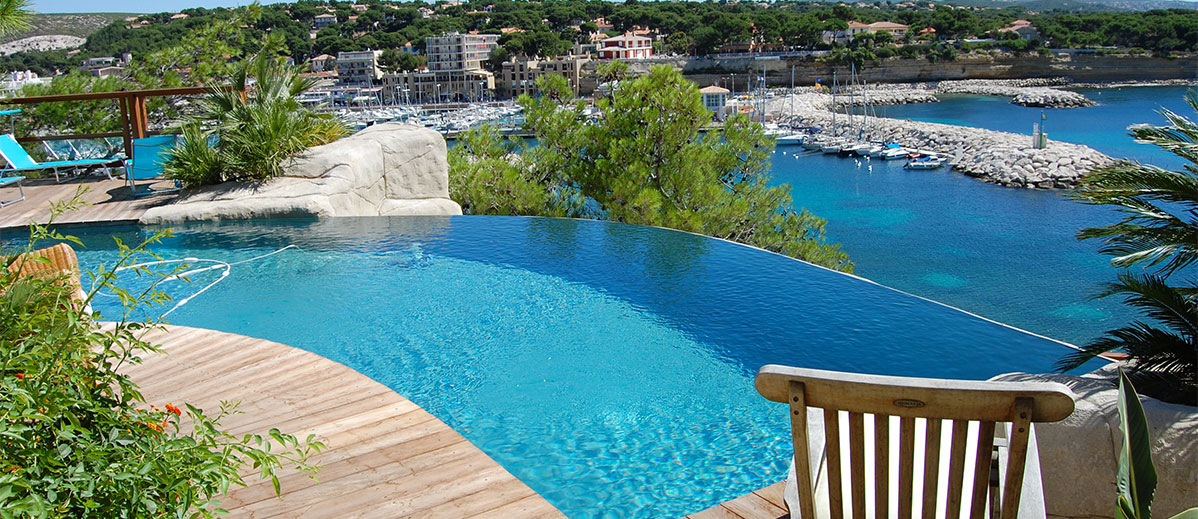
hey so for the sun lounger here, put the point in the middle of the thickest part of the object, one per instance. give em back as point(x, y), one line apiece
point(19, 160)
point(4, 181)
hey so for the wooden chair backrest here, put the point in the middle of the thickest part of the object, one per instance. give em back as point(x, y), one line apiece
point(933, 400)
point(51, 262)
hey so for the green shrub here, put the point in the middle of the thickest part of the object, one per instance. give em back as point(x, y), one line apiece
point(253, 132)
point(76, 440)
point(194, 161)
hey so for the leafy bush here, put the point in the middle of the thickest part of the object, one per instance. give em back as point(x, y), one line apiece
point(254, 131)
point(76, 439)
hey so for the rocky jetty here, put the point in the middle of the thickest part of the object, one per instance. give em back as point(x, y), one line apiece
point(1003, 158)
point(886, 96)
point(1021, 91)
point(385, 170)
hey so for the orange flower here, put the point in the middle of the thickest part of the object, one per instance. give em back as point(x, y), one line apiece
point(173, 409)
point(21, 376)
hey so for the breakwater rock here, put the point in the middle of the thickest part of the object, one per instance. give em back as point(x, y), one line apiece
point(888, 95)
point(1021, 91)
point(1003, 158)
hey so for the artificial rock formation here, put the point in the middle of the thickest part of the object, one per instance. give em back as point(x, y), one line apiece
point(1079, 455)
point(386, 170)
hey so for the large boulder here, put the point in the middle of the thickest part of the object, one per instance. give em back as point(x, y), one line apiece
point(385, 170)
point(1079, 455)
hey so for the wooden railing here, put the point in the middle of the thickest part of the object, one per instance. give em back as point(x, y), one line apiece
point(132, 105)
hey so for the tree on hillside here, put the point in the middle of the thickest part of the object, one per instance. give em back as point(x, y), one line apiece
point(394, 60)
point(1159, 231)
point(646, 161)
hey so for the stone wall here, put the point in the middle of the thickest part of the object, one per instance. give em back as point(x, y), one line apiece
point(385, 170)
point(1079, 455)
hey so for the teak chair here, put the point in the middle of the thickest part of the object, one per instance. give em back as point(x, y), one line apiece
point(970, 409)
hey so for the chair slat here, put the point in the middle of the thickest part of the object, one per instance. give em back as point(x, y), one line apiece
point(956, 468)
point(1021, 426)
point(882, 466)
point(832, 450)
point(798, 434)
point(981, 471)
point(906, 465)
point(931, 468)
point(857, 463)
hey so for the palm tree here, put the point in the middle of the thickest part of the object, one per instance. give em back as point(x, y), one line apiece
point(14, 16)
point(1159, 230)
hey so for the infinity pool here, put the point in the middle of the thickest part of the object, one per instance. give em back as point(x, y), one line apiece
point(608, 366)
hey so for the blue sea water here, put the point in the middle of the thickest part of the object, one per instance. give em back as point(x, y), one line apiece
point(1007, 254)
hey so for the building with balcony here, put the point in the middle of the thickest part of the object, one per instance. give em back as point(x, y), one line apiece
point(626, 46)
point(455, 51)
point(359, 67)
point(518, 76)
point(324, 20)
point(439, 86)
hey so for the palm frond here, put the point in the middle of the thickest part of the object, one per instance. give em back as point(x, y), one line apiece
point(14, 16)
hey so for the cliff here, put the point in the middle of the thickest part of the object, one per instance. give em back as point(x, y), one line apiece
point(1074, 65)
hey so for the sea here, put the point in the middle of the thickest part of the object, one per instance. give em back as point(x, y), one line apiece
point(1007, 254)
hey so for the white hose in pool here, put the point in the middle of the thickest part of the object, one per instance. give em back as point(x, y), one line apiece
point(218, 265)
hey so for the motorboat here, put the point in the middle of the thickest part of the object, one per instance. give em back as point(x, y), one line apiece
point(931, 162)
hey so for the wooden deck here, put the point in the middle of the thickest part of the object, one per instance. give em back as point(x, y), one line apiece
point(386, 456)
point(107, 201)
point(766, 503)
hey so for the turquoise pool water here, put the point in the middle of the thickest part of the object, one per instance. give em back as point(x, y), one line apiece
point(608, 366)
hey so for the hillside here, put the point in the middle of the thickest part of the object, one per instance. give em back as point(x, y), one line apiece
point(1081, 5)
point(67, 24)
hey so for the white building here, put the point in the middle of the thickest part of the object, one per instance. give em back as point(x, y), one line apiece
point(456, 51)
point(716, 99)
point(358, 67)
point(626, 46)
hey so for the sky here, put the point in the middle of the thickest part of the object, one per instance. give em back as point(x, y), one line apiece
point(129, 6)
point(138, 6)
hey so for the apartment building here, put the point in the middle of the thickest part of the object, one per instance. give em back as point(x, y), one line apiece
point(455, 51)
point(439, 86)
point(358, 67)
point(519, 75)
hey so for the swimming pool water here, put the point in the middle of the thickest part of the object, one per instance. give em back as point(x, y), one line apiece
point(608, 366)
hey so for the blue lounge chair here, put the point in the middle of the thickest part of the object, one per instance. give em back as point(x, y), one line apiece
point(19, 160)
point(4, 181)
point(146, 162)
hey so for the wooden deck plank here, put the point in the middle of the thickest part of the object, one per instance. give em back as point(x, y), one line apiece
point(763, 503)
point(108, 201)
point(386, 457)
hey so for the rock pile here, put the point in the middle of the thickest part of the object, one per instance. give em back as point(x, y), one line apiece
point(1020, 91)
point(1003, 158)
point(886, 96)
